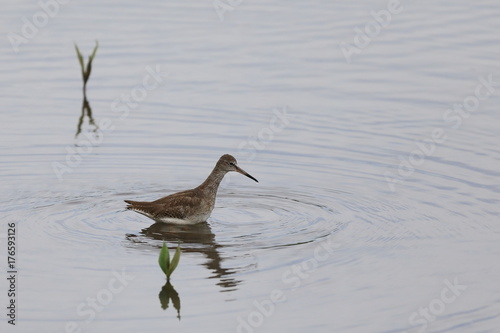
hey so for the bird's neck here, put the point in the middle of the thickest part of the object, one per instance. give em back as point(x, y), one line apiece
point(211, 184)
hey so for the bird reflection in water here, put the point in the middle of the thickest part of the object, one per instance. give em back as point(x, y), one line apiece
point(191, 237)
point(197, 238)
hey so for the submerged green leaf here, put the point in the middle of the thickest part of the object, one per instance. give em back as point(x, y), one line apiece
point(89, 64)
point(95, 50)
point(167, 266)
point(86, 71)
point(80, 59)
point(164, 259)
point(175, 260)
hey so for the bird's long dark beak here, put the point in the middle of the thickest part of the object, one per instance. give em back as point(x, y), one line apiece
point(243, 172)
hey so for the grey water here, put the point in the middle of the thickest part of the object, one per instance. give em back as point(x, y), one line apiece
point(372, 128)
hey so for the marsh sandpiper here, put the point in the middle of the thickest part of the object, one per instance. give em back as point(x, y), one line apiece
point(191, 206)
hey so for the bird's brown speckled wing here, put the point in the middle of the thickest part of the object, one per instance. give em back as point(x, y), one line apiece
point(179, 205)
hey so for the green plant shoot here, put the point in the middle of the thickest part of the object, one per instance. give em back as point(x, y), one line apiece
point(167, 266)
point(86, 71)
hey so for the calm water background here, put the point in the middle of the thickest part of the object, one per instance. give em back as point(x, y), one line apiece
point(351, 226)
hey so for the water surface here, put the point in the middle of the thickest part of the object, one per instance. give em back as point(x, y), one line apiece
point(361, 217)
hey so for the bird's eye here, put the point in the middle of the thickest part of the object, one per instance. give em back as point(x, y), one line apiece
point(232, 163)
